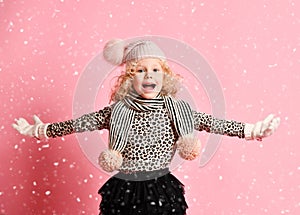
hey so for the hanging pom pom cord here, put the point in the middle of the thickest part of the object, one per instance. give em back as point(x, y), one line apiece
point(110, 160)
point(113, 51)
point(188, 147)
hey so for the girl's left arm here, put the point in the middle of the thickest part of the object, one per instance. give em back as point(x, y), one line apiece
point(259, 130)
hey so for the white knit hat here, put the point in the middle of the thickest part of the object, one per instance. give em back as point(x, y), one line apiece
point(117, 52)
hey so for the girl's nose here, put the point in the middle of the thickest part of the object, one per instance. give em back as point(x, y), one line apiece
point(148, 75)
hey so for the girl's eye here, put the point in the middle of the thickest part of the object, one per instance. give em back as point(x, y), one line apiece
point(155, 70)
point(140, 70)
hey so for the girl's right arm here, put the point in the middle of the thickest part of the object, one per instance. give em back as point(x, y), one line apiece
point(88, 122)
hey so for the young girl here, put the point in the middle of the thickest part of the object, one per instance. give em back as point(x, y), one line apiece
point(147, 125)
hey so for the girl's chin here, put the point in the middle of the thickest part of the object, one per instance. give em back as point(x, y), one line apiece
point(149, 95)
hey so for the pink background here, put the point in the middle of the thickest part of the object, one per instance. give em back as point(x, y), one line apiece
point(253, 47)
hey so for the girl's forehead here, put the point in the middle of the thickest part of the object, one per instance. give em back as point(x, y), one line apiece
point(149, 61)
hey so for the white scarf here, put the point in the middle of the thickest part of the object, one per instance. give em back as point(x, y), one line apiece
point(124, 111)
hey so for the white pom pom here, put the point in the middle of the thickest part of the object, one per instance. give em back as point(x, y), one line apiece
point(113, 51)
point(110, 160)
point(188, 147)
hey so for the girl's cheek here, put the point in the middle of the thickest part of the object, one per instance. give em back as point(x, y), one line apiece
point(138, 76)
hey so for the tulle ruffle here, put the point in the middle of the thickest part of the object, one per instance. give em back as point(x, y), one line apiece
point(163, 195)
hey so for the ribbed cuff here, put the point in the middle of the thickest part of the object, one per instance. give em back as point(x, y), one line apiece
point(42, 131)
point(248, 131)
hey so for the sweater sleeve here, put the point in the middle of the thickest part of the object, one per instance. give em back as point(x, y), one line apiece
point(89, 122)
point(208, 123)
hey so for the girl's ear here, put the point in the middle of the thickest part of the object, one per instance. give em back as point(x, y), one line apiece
point(130, 68)
point(132, 73)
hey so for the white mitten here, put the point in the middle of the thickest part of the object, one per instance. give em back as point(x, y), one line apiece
point(262, 129)
point(38, 130)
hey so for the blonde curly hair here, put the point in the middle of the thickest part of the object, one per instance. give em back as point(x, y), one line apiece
point(123, 85)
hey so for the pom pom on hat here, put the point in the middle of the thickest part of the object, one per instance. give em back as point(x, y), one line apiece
point(110, 160)
point(188, 147)
point(113, 51)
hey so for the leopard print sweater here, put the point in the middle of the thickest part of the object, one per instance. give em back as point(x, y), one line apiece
point(152, 135)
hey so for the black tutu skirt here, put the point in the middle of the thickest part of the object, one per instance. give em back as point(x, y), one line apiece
point(143, 193)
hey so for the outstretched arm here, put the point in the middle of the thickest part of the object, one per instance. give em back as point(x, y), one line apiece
point(259, 130)
point(88, 122)
point(208, 123)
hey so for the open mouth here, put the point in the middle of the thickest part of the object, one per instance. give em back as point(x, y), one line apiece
point(149, 86)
